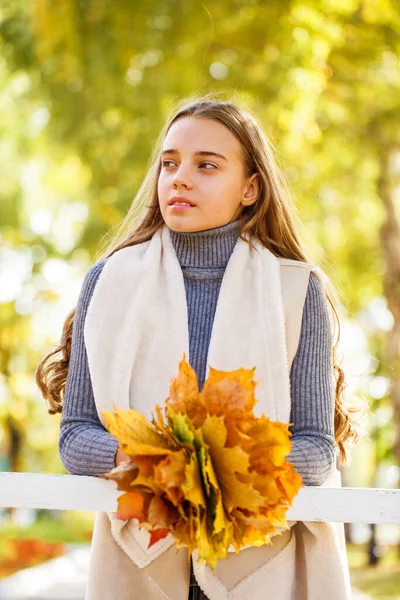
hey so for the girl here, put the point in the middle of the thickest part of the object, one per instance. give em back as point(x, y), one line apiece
point(215, 203)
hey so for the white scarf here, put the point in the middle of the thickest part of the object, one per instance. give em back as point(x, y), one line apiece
point(136, 331)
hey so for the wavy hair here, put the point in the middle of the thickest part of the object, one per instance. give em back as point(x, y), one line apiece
point(272, 219)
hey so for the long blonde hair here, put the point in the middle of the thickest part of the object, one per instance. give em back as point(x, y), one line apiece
point(272, 219)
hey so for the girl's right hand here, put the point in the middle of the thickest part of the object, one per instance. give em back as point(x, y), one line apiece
point(120, 457)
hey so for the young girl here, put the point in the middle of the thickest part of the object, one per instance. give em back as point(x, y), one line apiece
point(214, 203)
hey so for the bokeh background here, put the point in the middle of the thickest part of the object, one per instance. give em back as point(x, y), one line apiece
point(86, 86)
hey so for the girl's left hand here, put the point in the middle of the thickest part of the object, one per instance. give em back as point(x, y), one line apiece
point(120, 457)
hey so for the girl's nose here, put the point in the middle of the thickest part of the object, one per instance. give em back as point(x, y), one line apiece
point(182, 177)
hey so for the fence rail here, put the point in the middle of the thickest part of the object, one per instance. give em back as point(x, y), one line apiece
point(76, 492)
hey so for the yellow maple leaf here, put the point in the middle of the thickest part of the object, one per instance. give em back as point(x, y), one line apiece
point(192, 487)
point(134, 433)
point(229, 392)
point(184, 394)
point(170, 475)
point(215, 509)
point(267, 439)
point(227, 463)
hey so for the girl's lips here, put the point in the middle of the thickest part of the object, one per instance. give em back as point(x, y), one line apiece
point(180, 206)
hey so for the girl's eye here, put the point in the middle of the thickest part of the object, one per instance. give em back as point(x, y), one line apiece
point(164, 164)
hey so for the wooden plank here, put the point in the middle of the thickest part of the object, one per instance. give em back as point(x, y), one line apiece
point(75, 492)
point(59, 492)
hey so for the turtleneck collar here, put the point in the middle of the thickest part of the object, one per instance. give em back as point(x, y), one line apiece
point(207, 248)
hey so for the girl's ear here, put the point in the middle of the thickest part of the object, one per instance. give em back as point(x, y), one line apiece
point(252, 190)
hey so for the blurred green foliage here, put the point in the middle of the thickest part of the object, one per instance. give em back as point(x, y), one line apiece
point(70, 527)
point(382, 581)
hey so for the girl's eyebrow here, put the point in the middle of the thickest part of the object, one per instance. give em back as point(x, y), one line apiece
point(198, 153)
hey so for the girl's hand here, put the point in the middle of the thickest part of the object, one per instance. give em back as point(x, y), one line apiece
point(120, 457)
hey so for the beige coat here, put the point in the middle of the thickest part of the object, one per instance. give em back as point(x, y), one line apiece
point(139, 303)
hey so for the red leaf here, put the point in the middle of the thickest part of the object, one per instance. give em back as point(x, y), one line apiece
point(157, 534)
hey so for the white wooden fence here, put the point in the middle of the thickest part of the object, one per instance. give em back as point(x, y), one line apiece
point(75, 492)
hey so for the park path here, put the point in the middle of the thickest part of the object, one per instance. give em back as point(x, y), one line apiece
point(63, 578)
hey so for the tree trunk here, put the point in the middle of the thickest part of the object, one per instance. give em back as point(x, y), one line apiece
point(390, 244)
point(14, 455)
point(373, 555)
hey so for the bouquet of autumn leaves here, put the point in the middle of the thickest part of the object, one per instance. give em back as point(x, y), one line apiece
point(207, 471)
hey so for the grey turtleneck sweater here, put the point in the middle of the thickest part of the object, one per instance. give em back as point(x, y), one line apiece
point(86, 448)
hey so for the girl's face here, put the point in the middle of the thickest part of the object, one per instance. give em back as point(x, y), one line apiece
point(202, 164)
